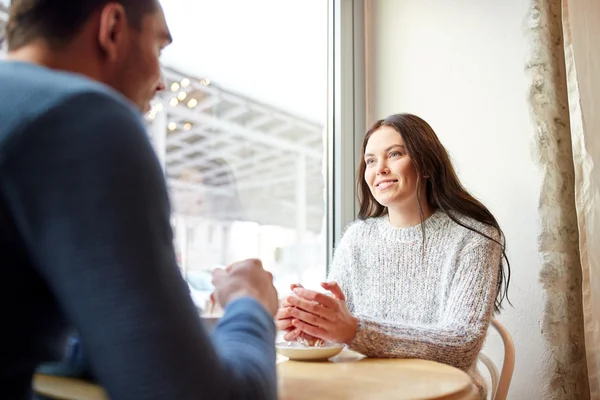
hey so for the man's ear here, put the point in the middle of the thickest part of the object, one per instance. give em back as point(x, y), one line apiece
point(112, 32)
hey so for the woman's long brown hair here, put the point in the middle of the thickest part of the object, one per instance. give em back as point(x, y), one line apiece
point(443, 188)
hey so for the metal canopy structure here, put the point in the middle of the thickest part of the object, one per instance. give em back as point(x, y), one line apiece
point(227, 156)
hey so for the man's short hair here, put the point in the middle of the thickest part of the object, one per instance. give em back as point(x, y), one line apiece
point(58, 21)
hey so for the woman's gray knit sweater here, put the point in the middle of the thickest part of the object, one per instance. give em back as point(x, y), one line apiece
point(432, 301)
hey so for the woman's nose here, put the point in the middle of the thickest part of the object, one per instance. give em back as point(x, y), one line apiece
point(382, 169)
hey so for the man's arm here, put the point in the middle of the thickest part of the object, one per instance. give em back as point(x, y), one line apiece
point(90, 202)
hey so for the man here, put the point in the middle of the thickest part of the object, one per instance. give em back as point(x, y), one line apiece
point(84, 218)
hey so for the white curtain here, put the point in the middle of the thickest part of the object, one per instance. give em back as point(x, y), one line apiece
point(581, 26)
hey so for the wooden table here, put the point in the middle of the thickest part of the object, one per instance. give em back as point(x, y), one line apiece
point(57, 387)
point(351, 376)
point(348, 376)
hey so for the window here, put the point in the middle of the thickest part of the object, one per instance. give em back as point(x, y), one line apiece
point(3, 20)
point(258, 132)
point(242, 133)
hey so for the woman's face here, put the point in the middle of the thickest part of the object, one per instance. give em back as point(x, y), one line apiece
point(389, 170)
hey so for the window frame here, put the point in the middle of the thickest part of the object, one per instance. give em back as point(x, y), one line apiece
point(346, 120)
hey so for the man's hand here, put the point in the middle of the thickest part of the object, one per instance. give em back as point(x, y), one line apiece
point(245, 278)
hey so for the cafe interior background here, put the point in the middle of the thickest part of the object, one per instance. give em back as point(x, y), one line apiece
point(260, 127)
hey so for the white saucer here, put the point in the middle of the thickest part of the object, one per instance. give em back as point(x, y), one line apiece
point(298, 352)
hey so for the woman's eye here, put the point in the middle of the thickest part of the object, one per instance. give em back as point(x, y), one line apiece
point(369, 161)
point(394, 154)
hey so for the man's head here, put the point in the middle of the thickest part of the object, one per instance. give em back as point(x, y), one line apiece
point(116, 42)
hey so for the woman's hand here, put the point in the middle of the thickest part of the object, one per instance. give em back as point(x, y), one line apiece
point(319, 315)
point(283, 321)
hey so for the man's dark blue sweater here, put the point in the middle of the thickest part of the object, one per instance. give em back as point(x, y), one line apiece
point(85, 242)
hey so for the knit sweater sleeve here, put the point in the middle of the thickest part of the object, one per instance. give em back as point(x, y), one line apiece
point(342, 263)
point(457, 337)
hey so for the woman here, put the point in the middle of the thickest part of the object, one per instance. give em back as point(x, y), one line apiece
point(420, 273)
